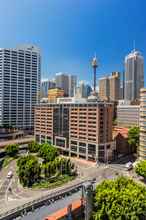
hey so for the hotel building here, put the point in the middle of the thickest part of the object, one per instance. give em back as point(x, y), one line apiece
point(82, 129)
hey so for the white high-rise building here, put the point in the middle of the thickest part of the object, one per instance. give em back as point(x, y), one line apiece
point(72, 85)
point(20, 70)
point(134, 75)
point(66, 82)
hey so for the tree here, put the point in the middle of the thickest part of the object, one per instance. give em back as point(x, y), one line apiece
point(133, 137)
point(59, 166)
point(120, 199)
point(28, 170)
point(140, 168)
point(48, 152)
point(12, 150)
point(33, 147)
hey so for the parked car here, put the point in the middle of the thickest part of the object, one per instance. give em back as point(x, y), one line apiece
point(129, 166)
point(10, 174)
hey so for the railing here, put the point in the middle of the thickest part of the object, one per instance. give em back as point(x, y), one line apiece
point(23, 209)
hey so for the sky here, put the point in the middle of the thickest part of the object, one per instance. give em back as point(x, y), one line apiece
point(70, 32)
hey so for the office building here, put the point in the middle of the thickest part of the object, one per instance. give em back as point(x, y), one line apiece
point(104, 88)
point(72, 85)
point(127, 115)
point(55, 93)
point(114, 86)
point(142, 145)
point(83, 90)
point(109, 87)
point(81, 129)
point(45, 86)
point(20, 70)
point(67, 83)
point(134, 75)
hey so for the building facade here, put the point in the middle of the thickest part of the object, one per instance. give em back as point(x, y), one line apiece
point(20, 71)
point(72, 85)
point(114, 85)
point(134, 75)
point(45, 86)
point(83, 90)
point(142, 145)
point(55, 93)
point(104, 88)
point(109, 87)
point(67, 83)
point(80, 129)
point(128, 115)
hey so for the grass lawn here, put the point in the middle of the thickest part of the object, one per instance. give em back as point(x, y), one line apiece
point(7, 160)
point(53, 183)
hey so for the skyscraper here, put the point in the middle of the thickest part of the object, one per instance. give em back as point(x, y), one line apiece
point(67, 83)
point(83, 90)
point(134, 75)
point(45, 85)
point(20, 70)
point(109, 87)
point(72, 85)
point(114, 85)
point(104, 88)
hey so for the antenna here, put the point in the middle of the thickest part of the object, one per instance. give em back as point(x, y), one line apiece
point(133, 45)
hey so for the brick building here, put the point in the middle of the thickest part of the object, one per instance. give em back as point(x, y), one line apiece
point(80, 129)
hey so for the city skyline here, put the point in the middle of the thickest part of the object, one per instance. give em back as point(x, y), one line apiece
point(70, 32)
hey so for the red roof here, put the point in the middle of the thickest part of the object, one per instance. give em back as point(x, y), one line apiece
point(63, 212)
point(121, 130)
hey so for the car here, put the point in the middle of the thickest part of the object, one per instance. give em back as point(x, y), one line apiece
point(129, 166)
point(9, 175)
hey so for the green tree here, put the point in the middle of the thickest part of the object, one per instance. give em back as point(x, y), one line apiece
point(133, 137)
point(59, 166)
point(48, 152)
point(33, 147)
point(28, 170)
point(140, 168)
point(119, 199)
point(12, 150)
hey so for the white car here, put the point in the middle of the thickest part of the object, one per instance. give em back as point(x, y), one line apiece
point(129, 166)
point(10, 174)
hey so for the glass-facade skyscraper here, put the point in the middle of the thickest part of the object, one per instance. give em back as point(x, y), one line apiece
point(20, 70)
point(134, 75)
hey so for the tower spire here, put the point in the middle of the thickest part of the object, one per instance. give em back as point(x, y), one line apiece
point(94, 65)
point(133, 45)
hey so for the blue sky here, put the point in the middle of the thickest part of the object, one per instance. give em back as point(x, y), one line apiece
point(70, 31)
